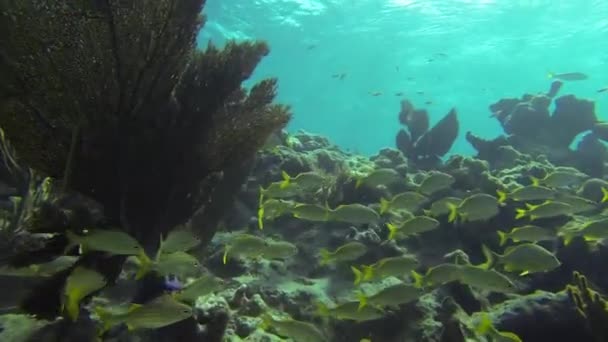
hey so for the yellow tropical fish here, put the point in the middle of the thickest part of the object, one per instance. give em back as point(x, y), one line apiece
point(79, 284)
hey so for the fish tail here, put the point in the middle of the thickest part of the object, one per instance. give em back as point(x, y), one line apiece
point(225, 256)
point(392, 231)
point(521, 213)
point(325, 256)
point(362, 300)
point(104, 317)
point(490, 255)
point(322, 310)
point(453, 212)
point(384, 205)
point(427, 212)
point(568, 239)
point(418, 279)
point(503, 237)
point(358, 275)
point(502, 196)
point(535, 181)
point(368, 272)
point(145, 264)
point(286, 180)
point(160, 246)
point(485, 325)
point(605, 193)
point(73, 307)
point(266, 321)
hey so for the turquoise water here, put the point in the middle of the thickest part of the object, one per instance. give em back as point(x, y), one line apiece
point(459, 53)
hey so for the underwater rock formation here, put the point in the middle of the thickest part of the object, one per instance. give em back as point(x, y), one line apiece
point(532, 129)
point(419, 143)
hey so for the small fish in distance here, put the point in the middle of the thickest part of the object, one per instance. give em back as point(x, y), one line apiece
point(568, 76)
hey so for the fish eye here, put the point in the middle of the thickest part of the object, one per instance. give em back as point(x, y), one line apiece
point(186, 311)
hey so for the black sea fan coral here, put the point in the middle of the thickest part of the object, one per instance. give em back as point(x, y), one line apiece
point(113, 99)
point(116, 101)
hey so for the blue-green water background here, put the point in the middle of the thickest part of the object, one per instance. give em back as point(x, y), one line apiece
point(493, 49)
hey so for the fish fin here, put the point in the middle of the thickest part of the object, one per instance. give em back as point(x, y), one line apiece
point(524, 273)
point(368, 272)
point(322, 310)
point(533, 217)
point(362, 300)
point(568, 239)
point(160, 247)
point(490, 255)
point(358, 275)
point(261, 217)
point(485, 324)
point(535, 181)
point(358, 183)
point(605, 193)
point(392, 231)
point(72, 308)
point(133, 307)
point(325, 257)
point(418, 279)
point(286, 180)
point(503, 237)
point(532, 206)
point(427, 212)
point(502, 196)
point(521, 213)
point(384, 205)
point(266, 321)
point(145, 264)
point(453, 212)
point(104, 317)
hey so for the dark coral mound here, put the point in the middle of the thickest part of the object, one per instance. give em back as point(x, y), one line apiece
point(419, 143)
point(531, 128)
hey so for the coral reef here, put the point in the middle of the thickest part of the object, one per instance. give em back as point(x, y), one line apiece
point(421, 144)
point(590, 305)
point(532, 129)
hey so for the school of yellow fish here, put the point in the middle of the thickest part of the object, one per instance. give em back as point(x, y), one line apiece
point(405, 215)
point(420, 210)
